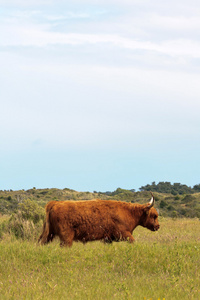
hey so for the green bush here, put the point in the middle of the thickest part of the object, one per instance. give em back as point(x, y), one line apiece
point(30, 210)
point(170, 207)
point(26, 223)
point(22, 228)
point(162, 204)
point(3, 227)
point(174, 214)
point(188, 198)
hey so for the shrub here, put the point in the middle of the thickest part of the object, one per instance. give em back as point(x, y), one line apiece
point(30, 210)
point(23, 228)
point(187, 198)
point(183, 212)
point(26, 222)
point(162, 204)
point(3, 226)
point(170, 207)
point(174, 214)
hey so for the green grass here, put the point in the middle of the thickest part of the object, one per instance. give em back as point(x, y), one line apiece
point(164, 264)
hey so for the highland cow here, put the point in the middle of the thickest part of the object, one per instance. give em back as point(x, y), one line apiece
point(93, 220)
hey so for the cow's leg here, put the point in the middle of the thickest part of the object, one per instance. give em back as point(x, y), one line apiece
point(50, 237)
point(128, 236)
point(66, 238)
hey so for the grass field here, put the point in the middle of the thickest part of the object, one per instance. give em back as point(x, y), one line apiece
point(160, 265)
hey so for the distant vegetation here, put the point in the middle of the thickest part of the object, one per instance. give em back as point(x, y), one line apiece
point(172, 200)
point(174, 189)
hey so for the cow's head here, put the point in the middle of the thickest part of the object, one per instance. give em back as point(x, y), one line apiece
point(149, 217)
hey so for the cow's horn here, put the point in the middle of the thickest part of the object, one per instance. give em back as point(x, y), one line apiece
point(151, 203)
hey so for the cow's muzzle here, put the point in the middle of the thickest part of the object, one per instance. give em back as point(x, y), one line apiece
point(156, 228)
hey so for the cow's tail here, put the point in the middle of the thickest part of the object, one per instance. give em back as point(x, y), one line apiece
point(44, 237)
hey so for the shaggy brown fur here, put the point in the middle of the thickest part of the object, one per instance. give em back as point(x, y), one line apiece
point(95, 220)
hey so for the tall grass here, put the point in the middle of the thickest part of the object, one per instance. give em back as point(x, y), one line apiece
point(159, 265)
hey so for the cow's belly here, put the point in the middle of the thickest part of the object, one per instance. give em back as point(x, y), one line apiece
point(106, 233)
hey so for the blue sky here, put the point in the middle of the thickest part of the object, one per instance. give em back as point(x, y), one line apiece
point(97, 95)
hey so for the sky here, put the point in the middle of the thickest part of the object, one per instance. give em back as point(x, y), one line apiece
point(97, 95)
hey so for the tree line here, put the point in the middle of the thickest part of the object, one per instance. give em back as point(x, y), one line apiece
point(174, 189)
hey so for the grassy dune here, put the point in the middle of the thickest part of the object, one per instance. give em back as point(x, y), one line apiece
point(160, 265)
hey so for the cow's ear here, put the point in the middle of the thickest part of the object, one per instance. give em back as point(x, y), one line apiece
point(146, 209)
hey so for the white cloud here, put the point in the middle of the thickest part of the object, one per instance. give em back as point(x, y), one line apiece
point(33, 28)
point(40, 36)
point(108, 74)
